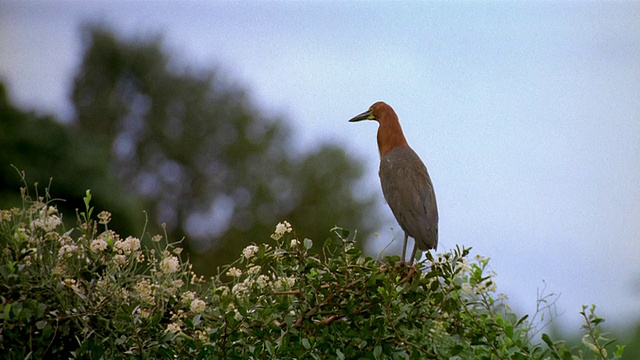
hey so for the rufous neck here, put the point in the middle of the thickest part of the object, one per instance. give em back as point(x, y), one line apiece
point(390, 136)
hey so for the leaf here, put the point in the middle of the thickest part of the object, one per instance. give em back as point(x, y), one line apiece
point(457, 349)
point(6, 270)
point(522, 319)
point(47, 331)
point(377, 351)
point(87, 198)
point(7, 312)
point(608, 342)
point(308, 243)
point(508, 330)
point(269, 346)
point(306, 343)
point(547, 340)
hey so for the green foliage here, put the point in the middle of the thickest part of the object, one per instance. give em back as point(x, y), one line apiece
point(632, 339)
point(89, 293)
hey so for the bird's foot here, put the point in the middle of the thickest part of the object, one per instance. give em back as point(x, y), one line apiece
point(400, 265)
point(410, 274)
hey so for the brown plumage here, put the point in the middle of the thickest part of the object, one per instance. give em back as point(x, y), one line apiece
point(406, 184)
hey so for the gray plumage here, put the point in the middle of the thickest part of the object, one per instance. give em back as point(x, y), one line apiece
point(408, 190)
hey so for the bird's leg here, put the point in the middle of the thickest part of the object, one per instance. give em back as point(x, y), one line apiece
point(404, 248)
point(413, 253)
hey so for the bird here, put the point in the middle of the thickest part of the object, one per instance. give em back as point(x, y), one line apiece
point(406, 184)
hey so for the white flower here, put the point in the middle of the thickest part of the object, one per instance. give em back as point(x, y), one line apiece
point(202, 335)
point(175, 285)
point(279, 253)
point(170, 265)
point(134, 243)
point(104, 217)
point(145, 291)
point(188, 297)
point(250, 251)
point(286, 282)
point(239, 288)
point(198, 306)
point(234, 272)
point(464, 265)
point(281, 229)
point(120, 259)
point(98, 245)
point(172, 328)
point(295, 243)
point(254, 270)
point(466, 288)
point(67, 250)
point(5, 215)
point(67, 240)
point(73, 284)
point(290, 281)
point(224, 290)
point(48, 221)
point(177, 317)
point(262, 281)
point(127, 246)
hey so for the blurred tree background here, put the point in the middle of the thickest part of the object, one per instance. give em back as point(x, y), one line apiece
point(188, 147)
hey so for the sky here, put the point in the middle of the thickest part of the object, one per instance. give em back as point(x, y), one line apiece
point(527, 114)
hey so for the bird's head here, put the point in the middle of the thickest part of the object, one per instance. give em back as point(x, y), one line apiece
point(380, 111)
point(390, 133)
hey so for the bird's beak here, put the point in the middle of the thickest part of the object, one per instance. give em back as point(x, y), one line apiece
point(364, 116)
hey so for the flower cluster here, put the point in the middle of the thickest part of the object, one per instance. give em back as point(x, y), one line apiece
point(234, 272)
point(145, 291)
point(250, 251)
point(98, 245)
point(127, 246)
point(281, 229)
point(197, 306)
point(170, 264)
point(115, 273)
point(48, 219)
point(104, 217)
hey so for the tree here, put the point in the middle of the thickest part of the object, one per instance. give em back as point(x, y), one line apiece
point(205, 160)
point(48, 152)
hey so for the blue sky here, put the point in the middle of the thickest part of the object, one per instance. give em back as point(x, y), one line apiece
point(527, 114)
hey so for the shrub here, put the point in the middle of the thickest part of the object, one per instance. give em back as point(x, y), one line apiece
point(88, 292)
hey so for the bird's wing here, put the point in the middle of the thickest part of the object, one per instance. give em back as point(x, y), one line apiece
point(407, 187)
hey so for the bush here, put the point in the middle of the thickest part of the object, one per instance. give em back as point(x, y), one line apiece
point(90, 293)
